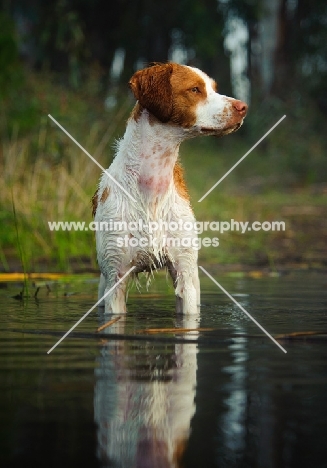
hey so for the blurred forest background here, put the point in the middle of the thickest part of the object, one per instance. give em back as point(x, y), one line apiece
point(72, 59)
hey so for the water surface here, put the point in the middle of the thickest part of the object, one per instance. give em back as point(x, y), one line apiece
point(228, 397)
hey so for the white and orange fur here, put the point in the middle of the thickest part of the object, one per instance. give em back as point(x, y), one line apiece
point(174, 102)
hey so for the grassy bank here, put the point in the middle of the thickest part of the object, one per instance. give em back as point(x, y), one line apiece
point(46, 177)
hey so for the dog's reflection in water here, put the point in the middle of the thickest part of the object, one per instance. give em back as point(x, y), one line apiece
point(144, 399)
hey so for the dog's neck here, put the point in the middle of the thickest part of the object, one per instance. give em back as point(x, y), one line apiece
point(149, 149)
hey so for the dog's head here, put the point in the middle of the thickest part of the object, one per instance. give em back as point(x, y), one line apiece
point(187, 97)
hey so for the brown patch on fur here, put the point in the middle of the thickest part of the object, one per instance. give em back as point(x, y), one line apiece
point(180, 447)
point(105, 195)
point(180, 182)
point(189, 89)
point(151, 87)
point(94, 203)
point(166, 154)
point(96, 199)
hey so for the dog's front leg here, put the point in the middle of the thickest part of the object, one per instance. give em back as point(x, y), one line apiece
point(101, 289)
point(173, 273)
point(114, 301)
point(184, 273)
point(187, 289)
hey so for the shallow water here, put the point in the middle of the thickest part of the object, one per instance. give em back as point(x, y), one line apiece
point(228, 397)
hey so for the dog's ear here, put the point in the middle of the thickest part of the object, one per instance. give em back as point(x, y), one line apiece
point(152, 88)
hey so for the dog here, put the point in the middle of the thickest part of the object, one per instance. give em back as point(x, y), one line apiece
point(174, 103)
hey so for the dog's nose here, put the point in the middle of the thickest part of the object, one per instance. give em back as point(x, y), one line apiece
point(241, 107)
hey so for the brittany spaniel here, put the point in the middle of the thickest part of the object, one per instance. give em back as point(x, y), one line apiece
point(156, 222)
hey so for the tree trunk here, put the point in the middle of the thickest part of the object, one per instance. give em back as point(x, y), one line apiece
point(269, 27)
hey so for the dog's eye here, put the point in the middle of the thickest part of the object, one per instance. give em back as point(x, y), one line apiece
point(195, 90)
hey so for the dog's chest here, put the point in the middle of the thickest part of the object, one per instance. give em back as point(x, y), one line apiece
point(155, 168)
